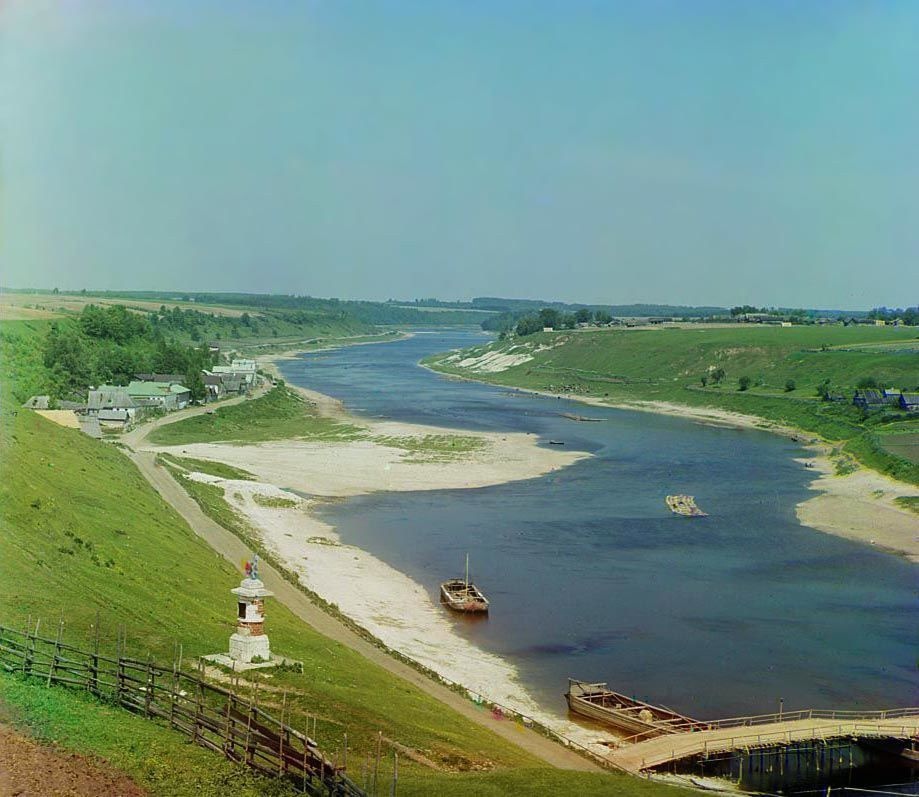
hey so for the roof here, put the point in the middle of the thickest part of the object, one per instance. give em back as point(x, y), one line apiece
point(176, 388)
point(108, 396)
point(159, 377)
point(71, 405)
point(113, 415)
point(870, 396)
point(148, 389)
point(211, 379)
point(38, 403)
point(911, 399)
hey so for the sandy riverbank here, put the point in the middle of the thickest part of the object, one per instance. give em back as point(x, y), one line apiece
point(859, 505)
point(395, 609)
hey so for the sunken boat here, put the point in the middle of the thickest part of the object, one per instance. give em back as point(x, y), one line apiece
point(684, 505)
point(626, 715)
point(461, 595)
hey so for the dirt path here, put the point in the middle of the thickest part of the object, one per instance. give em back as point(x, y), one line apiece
point(233, 550)
point(29, 769)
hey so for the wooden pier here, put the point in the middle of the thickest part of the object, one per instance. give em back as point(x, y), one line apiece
point(643, 752)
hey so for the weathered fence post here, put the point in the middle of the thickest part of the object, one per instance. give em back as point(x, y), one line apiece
point(376, 769)
point(57, 648)
point(30, 653)
point(395, 772)
point(150, 685)
point(94, 668)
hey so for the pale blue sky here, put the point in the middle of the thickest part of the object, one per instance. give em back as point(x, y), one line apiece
point(684, 152)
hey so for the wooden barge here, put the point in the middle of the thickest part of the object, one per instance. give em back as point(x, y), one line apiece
point(462, 595)
point(625, 714)
point(684, 505)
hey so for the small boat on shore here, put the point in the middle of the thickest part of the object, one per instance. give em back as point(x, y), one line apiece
point(556, 443)
point(684, 505)
point(461, 595)
point(625, 714)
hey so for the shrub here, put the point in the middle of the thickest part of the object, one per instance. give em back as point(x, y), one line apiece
point(743, 382)
point(790, 385)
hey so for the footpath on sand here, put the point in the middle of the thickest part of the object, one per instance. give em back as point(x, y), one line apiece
point(234, 550)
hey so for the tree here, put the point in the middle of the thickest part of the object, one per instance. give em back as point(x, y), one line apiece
point(550, 317)
point(867, 382)
point(704, 380)
point(790, 385)
point(602, 317)
point(744, 382)
point(528, 325)
point(582, 315)
point(568, 321)
point(717, 376)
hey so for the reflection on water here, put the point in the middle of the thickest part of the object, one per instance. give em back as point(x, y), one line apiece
point(589, 574)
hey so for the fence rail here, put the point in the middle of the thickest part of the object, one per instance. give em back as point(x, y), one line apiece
point(212, 716)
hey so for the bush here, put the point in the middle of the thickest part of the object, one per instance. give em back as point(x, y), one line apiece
point(790, 385)
point(744, 382)
point(867, 382)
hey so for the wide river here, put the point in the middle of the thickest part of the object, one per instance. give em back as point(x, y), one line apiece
point(591, 576)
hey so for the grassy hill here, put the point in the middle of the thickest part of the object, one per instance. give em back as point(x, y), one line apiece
point(83, 533)
point(669, 363)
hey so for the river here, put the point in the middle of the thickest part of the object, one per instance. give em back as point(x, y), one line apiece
point(591, 576)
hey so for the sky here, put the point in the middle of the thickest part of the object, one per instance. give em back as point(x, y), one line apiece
point(709, 152)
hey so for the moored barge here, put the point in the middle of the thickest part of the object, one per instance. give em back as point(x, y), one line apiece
point(462, 595)
point(625, 714)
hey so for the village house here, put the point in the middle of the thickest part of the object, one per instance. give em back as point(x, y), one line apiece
point(167, 378)
point(213, 386)
point(161, 395)
point(909, 402)
point(891, 396)
point(868, 399)
point(115, 420)
point(110, 397)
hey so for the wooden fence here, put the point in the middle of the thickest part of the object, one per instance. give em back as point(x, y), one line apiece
point(213, 717)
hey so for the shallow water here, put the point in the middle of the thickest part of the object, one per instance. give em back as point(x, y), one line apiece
point(591, 576)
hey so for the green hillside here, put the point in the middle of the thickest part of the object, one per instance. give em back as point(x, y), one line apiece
point(785, 369)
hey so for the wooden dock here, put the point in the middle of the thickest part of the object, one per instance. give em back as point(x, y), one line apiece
point(642, 753)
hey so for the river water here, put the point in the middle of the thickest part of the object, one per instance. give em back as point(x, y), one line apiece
point(591, 576)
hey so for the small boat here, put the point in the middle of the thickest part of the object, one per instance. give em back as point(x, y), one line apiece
point(556, 443)
point(626, 714)
point(684, 505)
point(462, 595)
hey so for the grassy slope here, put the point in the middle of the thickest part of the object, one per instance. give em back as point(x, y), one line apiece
point(279, 414)
point(666, 365)
point(159, 759)
point(83, 532)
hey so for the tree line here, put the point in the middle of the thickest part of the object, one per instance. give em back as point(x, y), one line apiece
point(109, 345)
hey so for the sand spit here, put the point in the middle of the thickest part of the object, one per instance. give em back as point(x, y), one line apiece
point(395, 609)
point(358, 467)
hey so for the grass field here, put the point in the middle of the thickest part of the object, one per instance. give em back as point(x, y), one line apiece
point(278, 415)
point(668, 364)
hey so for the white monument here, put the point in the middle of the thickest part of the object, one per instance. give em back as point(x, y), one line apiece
point(249, 648)
point(250, 640)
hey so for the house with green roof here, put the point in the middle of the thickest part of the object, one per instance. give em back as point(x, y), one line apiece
point(159, 394)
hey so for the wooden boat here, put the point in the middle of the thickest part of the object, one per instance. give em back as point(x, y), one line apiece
point(556, 443)
point(462, 595)
point(626, 714)
point(684, 505)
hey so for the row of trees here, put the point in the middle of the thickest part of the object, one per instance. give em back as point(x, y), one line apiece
point(111, 345)
point(908, 315)
point(548, 317)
